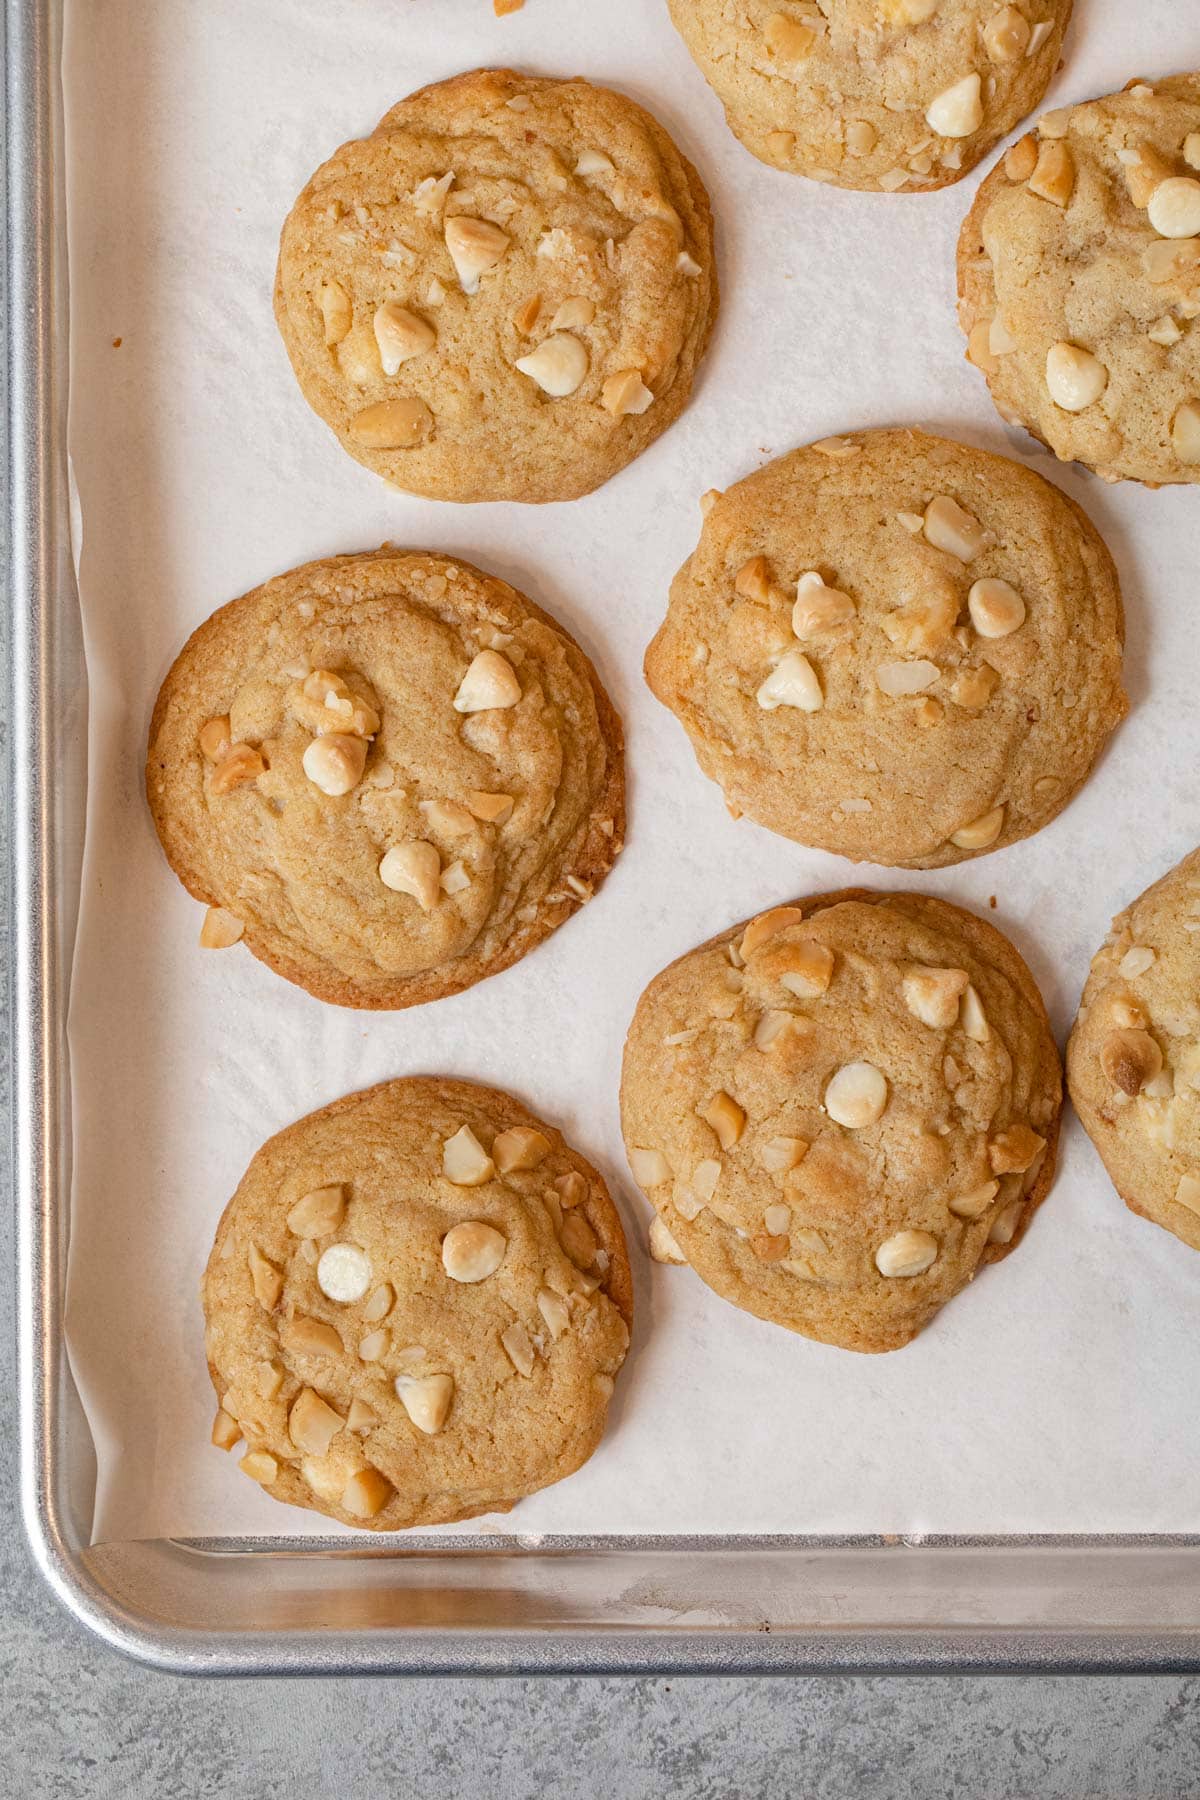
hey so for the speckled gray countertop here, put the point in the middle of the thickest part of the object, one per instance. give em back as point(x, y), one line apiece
point(76, 1720)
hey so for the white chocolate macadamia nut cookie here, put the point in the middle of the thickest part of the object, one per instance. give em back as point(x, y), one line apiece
point(389, 775)
point(1079, 282)
point(503, 292)
point(894, 647)
point(842, 1109)
point(890, 95)
point(1133, 1062)
point(416, 1305)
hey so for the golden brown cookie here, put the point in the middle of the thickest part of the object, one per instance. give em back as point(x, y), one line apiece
point(881, 94)
point(1079, 282)
point(416, 1304)
point(503, 292)
point(895, 647)
point(842, 1109)
point(391, 774)
point(1133, 1061)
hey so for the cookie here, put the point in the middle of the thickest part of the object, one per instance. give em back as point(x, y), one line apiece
point(1079, 283)
point(416, 1304)
point(842, 1109)
point(389, 775)
point(894, 647)
point(877, 94)
point(503, 292)
point(1133, 1060)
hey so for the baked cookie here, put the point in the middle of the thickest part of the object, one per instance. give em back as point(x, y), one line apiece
point(894, 647)
point(1079, 282)
point(416, 1304)
point(503, 292)
point(392, 775)
point(1133, 1061)
point(878, 94)
point(842, 1109)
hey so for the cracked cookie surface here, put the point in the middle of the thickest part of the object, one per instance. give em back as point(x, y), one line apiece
point(416, 1305)
point(1079, 282)
point(888, 95)
point(895, 647)
point(391, 775)
point(843, 1108)
point(1133, 1060)
point(503, 293)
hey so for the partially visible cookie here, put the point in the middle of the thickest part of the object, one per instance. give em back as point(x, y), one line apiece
point(503, 292)
point(880, 94)
point(1079, 282)
point(416, 1304)
point(895, 647)
point(391, 775)
point(842, 1109)
point(1133, 1061)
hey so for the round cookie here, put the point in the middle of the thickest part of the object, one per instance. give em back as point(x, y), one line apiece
point(843, 1108)
point(877, 94)
point(1133, 1060)
point(391, 774)
point(503, 292)
point(416, 1304)
point(894, 647)
point(1079, 283)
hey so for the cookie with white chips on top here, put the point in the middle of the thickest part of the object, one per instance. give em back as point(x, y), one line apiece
point(842, 1109)
point(503, 292)
point(416, 1306)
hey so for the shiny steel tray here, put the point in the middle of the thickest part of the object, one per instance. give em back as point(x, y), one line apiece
point(419, 1606)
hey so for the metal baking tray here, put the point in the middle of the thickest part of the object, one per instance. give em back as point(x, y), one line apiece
point(419, 1605)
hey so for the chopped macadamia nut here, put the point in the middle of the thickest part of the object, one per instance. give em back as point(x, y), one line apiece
point(220, 929)
point(426, 1399)
point(475, 246)
point(465, 1162)
point(906, 1253)
point(520, 1148)
point(318, 1213)
point(490, 682)
point(413, 869)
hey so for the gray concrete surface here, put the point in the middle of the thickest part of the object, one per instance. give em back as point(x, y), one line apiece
point(77, 1721)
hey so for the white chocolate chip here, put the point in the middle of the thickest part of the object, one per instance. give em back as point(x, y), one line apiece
point(980, 832)
point(792, 683)
point(975, 1203)
point(475, 246)
point(414, 869)
point(472, 1251)
point(426, 1399)
point(996, 608)
point(650, 1167)
point(401, 335)
point(1174, 208)
point(934, 995)
point(856, 1096)
point(898, 679)
point(343, 1273)
point(1185, 432)
point(1075, 378)
point(626, 392)
point(958, 110)
point(906, 1253)
point(558, 365)
point(950, 527)
point(490, 682)
point(335, 763)
point(819, 608)
point(465, 1162)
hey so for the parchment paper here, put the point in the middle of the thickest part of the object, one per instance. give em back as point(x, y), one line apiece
point(1056, 1394)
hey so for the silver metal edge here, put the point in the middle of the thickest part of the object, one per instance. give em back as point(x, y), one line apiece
point(90, 1583)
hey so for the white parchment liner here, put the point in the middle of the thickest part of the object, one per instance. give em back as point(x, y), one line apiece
point(1058, 1393)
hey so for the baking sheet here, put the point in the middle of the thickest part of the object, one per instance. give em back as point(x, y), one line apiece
point(1057, 1393)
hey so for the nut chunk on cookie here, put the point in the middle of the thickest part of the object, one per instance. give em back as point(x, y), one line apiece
point(401, 1337)
point(1079, 282)
point(888, 95)
point(1133, 1061)
point(895, 647)
point(388, 775)
point(841, 1155)
point(504, 292)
